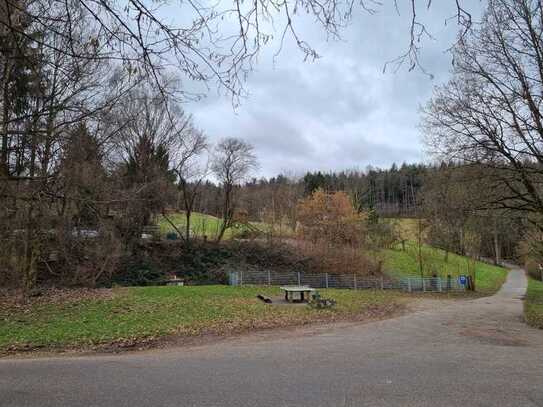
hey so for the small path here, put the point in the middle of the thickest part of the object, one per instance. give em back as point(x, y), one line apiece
point(459, 353)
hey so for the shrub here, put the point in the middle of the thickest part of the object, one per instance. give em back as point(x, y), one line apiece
point(333, 234)
point(532, 267)
point(383, 235)
point(138, 272)
point(531, 250)
point(331, 218)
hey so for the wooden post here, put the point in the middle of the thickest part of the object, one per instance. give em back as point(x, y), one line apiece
point(299, 279)
point(269, 277)
point(382, 283)
point(241, 277)
point(354, 278)
point(408, 284)
point(423, 285)
point(326, 278)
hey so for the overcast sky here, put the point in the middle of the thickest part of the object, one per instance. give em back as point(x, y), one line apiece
point(341, 111)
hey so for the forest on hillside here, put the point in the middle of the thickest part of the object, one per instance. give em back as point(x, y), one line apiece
point(454, 200)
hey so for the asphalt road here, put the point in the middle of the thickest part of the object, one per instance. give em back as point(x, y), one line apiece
point(463, 353)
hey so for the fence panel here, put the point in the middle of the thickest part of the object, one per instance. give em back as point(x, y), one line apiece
point(316, 280)
point(351, 281)
point(431, 284)
point(284, 278)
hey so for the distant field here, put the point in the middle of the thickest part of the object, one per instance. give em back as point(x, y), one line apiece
point(202, 224)
point(398, 263)
point(408, 227)
point(533, 304)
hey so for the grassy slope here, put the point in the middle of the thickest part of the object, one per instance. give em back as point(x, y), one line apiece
point(408, 227)
point(202, 224)
point(533, 304)
point(398, 263)
point(147, 312)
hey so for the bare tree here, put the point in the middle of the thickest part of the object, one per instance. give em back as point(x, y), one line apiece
point(218, 42)
point(191, 170)
point(44, 93)
point(232, 162)
point(152, 136)
point(449, 199)
point(489, 113)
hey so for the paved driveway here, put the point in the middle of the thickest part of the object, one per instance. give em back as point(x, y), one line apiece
point(463, 353)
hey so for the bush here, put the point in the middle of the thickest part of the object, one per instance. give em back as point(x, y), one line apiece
point(383, 235)
point(331, 218)
point(333, 234)
point(532, 267)
point(138, 272)
point(338, 259)
point(196, 263)
point(201, 263)
point(531, 250)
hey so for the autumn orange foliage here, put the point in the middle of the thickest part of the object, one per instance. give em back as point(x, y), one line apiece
point(330, 229)
point(331, 218)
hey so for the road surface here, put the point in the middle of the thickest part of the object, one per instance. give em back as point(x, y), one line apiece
point(463, 353)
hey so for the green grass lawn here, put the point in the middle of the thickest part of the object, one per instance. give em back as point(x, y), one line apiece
point(533, 304)
point(133, 314)
point(399, 263)
point(202, 224)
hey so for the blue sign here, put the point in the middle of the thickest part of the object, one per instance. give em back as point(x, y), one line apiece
point(462, 280)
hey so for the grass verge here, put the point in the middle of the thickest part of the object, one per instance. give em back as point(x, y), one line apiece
point(533, 303)
point(400, 263)
point(128, 317)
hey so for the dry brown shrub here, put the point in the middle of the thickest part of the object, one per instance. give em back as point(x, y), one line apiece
point(332, 231)
point(330, 217)
point(338, 259)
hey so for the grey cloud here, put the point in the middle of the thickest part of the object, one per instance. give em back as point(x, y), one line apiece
point(340, 111)
point(263, 130)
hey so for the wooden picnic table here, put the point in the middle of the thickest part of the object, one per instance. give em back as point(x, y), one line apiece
point(297, 293)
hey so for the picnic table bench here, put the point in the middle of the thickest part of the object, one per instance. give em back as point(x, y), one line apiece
point(297, 293)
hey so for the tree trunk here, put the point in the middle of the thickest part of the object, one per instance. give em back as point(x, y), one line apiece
point(188, 213)
point(497, 253)
point(28, 262)
point(227, 212)
point(419, 241)
point(462, 244)
point(5, 120)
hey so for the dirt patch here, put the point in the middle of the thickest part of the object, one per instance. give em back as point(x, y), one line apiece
point(14, 300)
point(429, 303)
point(493, 336)
point(280, 301)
